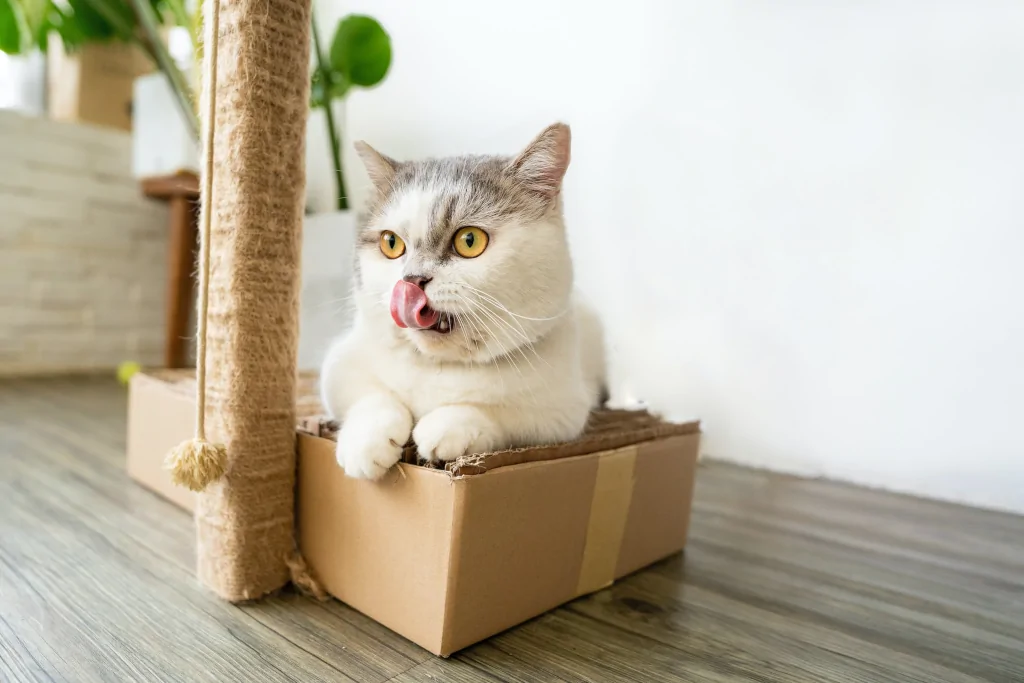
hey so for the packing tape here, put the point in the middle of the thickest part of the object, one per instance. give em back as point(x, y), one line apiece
point(609, 508)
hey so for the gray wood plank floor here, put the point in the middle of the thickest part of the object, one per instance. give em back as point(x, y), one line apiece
point(783, 580)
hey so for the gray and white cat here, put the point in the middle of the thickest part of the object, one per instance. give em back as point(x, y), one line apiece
point(467, 334)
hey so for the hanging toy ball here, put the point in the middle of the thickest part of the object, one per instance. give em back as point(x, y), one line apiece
point(196, 463)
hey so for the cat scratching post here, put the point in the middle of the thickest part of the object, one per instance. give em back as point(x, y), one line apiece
point(245, 519)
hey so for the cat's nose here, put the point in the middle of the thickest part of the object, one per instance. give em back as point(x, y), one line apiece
point(418, 280)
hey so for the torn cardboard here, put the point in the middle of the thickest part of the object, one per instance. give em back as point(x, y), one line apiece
point(449, 557)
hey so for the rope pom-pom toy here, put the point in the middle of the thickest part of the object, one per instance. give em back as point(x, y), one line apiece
point(197, 463)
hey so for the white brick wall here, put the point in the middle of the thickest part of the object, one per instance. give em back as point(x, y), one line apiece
point(82, 253)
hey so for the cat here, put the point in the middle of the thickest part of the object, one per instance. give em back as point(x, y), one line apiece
point(468, 335)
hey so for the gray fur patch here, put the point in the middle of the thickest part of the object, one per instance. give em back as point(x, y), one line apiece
point(477, 191)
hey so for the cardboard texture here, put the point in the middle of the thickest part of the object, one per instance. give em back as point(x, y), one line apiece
point(95, 83)
point(449, 557)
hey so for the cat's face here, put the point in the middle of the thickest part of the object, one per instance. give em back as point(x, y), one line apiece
point(466, 258)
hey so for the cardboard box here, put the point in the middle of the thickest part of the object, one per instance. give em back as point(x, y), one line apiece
point(94, 83)
point(450, 557)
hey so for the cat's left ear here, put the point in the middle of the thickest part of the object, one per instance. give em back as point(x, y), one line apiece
point(542, 165)
point(381, 168)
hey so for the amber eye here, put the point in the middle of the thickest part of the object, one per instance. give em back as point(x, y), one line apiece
point(391, 245)
point(470, 242)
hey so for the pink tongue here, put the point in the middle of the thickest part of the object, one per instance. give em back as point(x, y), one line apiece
point(409, 307)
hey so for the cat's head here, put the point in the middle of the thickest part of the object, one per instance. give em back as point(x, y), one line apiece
point(466, 258)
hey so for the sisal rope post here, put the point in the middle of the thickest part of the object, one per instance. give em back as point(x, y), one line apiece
point(197, 463)
point(256, 95)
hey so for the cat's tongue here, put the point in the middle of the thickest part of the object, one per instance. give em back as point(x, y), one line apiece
point(409, 307)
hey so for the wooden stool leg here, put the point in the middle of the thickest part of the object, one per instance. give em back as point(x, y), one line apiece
point(179, 280)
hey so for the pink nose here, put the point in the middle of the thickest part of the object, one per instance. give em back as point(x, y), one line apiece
point(410, 307)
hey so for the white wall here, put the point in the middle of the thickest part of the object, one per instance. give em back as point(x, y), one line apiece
point(803, 221)
point(83, 256)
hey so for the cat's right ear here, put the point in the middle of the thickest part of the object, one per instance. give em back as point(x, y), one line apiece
point(542, 165)
point(381, 168)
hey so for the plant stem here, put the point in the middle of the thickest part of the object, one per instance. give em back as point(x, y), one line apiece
point(155, 46)
point(332, 131)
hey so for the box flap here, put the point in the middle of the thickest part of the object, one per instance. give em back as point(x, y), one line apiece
point(606, 430)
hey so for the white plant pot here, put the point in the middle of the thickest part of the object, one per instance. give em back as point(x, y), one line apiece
point(25, 87)
point(328, 241)
point(161, 141)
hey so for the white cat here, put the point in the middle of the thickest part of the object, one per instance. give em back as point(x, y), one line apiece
point(467, 334)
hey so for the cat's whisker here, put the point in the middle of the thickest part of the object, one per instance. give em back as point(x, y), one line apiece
point(488, 333)
point(521, 332)
point(473, 308)
point(331, 302)
point(460, 324)
point(497, 314)
point(483, 337)
point(519, 348)
point(496, 302)
point(497, 318)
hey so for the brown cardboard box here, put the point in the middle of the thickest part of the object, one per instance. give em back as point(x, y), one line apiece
point(94, 84)
point(450, 557)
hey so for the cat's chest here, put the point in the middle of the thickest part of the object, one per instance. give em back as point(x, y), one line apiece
point(425, 387)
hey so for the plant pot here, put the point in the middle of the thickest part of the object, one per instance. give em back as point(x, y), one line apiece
point(25, 90)
point(95, 83)
point(328, 240)
point(161, 141)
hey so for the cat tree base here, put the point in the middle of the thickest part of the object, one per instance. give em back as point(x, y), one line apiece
point(449, 557)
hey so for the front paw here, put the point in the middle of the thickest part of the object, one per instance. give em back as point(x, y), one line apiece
point(451, 431)
point(371, 439)
point(365, 455)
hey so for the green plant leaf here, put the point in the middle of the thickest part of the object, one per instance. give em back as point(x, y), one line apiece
point(71, 32)
point(33, 14)
point(103, 20)
point(10, 29)
point(360, 53)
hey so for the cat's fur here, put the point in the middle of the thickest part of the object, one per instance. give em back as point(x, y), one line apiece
point(524, 363)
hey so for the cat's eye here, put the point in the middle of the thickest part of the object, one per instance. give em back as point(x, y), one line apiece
point(470, 242)
point(391, 245)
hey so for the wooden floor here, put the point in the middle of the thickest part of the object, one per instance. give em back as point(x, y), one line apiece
point(783, 580)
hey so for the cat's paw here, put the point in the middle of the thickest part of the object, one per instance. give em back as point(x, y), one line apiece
point(371, 438)
point(451, 431)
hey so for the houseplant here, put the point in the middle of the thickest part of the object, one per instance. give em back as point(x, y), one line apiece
point(27, 25)
point(359, 54)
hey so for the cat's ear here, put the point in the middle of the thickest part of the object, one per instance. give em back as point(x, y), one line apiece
point(381, 168)
point(542, 165)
